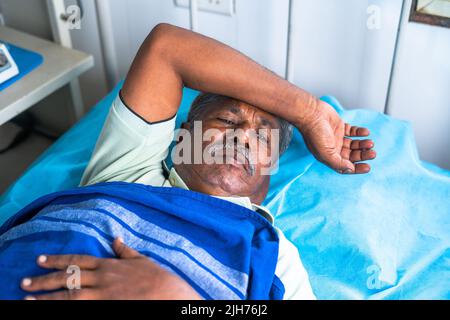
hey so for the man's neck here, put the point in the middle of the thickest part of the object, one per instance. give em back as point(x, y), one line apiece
point(177, 181)
point(177, 178)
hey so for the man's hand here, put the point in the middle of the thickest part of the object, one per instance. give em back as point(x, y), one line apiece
point(131, 277)
point(329, 140)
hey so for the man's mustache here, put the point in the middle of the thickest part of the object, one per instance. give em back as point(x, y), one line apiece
point(229, 148)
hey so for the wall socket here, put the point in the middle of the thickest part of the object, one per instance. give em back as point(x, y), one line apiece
point(226, 7)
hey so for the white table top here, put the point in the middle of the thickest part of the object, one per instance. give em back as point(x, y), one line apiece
point(60, 66)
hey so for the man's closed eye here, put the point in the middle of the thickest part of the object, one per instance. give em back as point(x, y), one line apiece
point(226, 121)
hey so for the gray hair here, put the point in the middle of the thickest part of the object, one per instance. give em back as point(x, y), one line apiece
point(204, 100)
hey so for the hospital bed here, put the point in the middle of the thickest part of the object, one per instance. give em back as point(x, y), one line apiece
point(383, 235)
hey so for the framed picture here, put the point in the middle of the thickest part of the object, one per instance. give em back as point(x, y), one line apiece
point(434, 12)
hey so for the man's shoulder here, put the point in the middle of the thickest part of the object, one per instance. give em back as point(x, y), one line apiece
point(129, 149)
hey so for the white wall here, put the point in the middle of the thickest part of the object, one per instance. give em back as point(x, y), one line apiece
point(336, 53)
point(421, 87)
point(258, 29)
point(334, 50)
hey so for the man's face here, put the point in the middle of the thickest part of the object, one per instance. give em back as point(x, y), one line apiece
point(237, 144)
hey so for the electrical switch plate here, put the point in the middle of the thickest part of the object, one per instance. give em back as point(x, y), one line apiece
point(226, 7)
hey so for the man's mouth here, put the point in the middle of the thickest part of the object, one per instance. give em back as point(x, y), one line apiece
point(241, 160)
point(235, 157)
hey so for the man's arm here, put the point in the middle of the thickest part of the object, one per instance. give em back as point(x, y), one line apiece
point(172, 57)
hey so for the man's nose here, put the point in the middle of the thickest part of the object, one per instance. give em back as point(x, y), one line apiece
point(242, 141)
point(243, 134)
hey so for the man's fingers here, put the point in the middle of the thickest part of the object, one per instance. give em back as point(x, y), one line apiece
point(84, 294)
point(361, 168)
point(340, 163)
point(56, 281)
point(62, 262)
point(345, 153)
point(358, 150)
point(361, 144)
point(123, 251)
point(354, 131)
point(362, 155)
point(358, 155)
point(358, 144)
point(347, 143)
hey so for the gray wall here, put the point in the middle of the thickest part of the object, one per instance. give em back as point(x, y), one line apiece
point(26, 15)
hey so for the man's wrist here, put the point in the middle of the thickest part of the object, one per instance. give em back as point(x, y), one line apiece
point(307, 107)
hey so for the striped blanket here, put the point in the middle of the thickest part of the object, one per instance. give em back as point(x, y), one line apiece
point(222, 250)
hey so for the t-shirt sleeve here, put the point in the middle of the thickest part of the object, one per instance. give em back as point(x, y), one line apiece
point(291, 272)
point(130, 149)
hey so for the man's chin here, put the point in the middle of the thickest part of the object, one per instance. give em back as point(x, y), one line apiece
point(232, 179)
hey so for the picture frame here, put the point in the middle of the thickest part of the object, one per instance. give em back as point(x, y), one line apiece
point(433, 12)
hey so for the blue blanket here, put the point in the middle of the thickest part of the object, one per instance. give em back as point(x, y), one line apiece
point(222, 250)
point(384, 235)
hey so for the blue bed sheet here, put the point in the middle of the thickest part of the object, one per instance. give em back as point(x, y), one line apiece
point(384, 235)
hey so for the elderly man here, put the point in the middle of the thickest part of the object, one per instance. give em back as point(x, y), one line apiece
point(222, 164)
